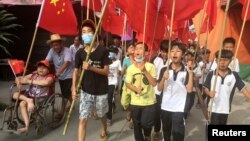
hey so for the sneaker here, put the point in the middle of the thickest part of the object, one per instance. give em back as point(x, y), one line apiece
point(109, 123)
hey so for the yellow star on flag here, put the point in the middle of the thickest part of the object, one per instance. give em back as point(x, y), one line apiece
point(54, 2)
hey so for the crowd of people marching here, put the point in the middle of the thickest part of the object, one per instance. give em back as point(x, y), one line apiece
point(157, 93)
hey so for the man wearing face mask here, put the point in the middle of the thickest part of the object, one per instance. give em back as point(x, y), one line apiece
point(94, 86)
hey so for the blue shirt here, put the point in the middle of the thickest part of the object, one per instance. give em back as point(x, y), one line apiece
point(59, 59)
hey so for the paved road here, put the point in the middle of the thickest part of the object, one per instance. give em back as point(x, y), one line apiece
point(119, 131)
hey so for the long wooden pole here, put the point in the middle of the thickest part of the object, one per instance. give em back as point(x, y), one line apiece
point(123, 33)
point(88, 3)
point(93, 4)
point(199, 28)
point(82, 72)
point(156, 22)
point(217, 72)
point(30, 51)
point(170, 34)
point(241, 33)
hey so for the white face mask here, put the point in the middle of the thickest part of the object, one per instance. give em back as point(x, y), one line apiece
point(87, 38)
point(140, 59)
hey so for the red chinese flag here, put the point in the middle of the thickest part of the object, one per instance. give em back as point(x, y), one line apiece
point(57, 16)
point(17, 66)
point(135, 10)
point(112, 21)
point(184, 9)
point(95, 5)
point(244, 9)
point(211, 11)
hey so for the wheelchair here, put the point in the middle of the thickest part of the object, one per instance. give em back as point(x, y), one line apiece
point(42, 117)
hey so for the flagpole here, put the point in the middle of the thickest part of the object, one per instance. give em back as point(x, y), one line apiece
point(144, 25)
point(217, 72)
point(88, 3)
point(82, 72)
point(170, 33)
point(93, 4)
point(82, 10)
point(241, 33)
point(123, 32)
point(156, 22)
point(199, 31)
point(31, 48)
point(143, 38)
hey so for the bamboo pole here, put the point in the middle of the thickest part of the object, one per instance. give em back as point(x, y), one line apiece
point(241, 33)
point(170, 33)
point(30, 51)
point(93, 4)
point(82, 72)
point(88, 3)
point(156, 22)
point(199, 28)
point(123, 33)
point(221, 44)
point(145, 23)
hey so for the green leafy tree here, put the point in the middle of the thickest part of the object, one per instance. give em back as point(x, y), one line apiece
point(6, 26)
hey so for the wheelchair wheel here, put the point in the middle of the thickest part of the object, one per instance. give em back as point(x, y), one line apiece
point(12, 125)
point(40, 128)
point(52, 108)
point(9, 121)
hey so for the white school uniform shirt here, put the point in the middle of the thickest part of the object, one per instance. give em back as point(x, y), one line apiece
point(204, 71)
point(234, 65)
point(225, 88)
point(113, 72)
point(175, 93)
point(159, 64)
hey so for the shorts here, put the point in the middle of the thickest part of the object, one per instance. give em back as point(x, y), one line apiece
point(65, 86)
point(90, 103)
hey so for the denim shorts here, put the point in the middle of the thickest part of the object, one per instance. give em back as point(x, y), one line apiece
point(93, 103)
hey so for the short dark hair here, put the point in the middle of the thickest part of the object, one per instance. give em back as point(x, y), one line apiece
point(114, 50)
point(116, 37)
point(229, 40)
point(130, 44)
point(181, 46)
point(145, 45)
point(224, 54)
point(164, 45)
point(205, 51)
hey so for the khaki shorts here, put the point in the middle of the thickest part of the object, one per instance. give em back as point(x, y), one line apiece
point(93, 103)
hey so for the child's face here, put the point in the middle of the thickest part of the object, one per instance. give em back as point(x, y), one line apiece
point(164, 54)
point(176, 54)
point(42, 70)
point(206, 56)
point(228, 46)
point(189, 57)
point(223, 63)
point(139, 51)
point(131, 50)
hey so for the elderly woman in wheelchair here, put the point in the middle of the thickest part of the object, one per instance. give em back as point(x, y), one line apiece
point(39, 88)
